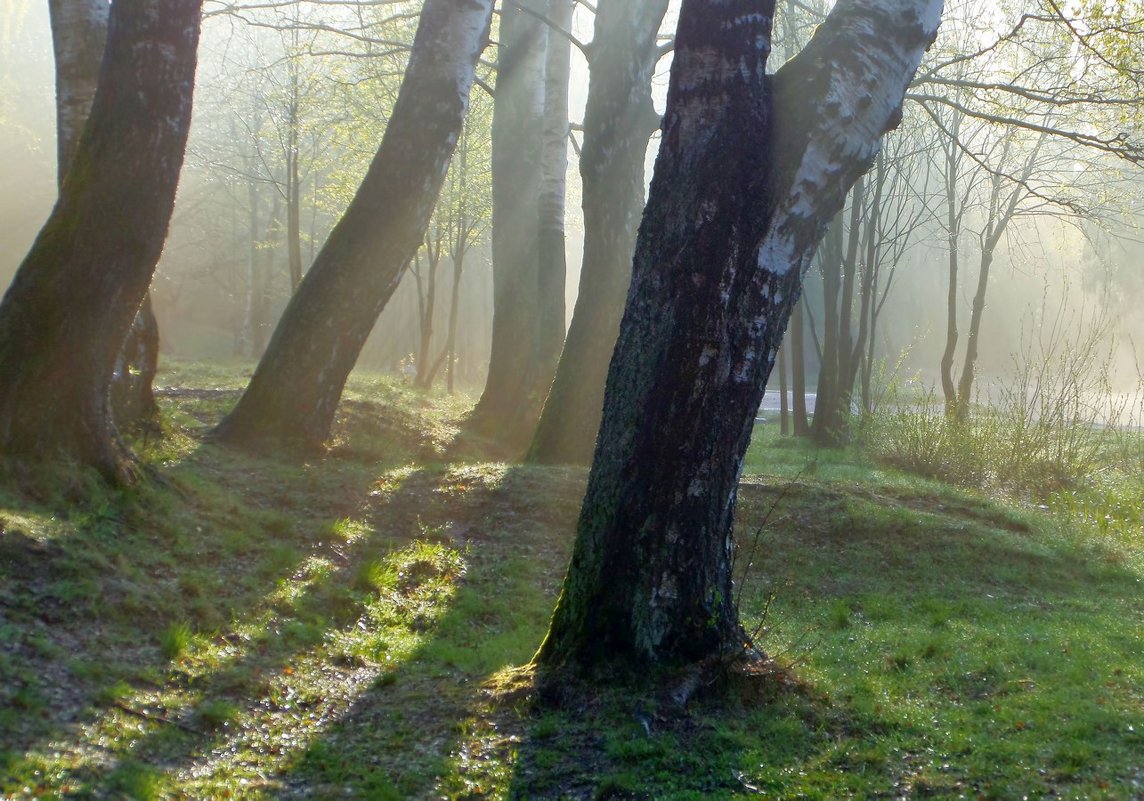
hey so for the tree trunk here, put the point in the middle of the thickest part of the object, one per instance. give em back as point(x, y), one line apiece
point(553, 268)
point(953, 234)
point(826, 418)
point(132, 393)
point(739, 201)
point(784, 406)
point(293, 172)
point(618, 120)
point(517, 138)
point(428, 308)
point(79, 35)
point(295, 390)
point(801, 422)
point(66, 315)
point(1001, 213)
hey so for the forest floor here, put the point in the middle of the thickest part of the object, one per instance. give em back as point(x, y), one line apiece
point(360, 625)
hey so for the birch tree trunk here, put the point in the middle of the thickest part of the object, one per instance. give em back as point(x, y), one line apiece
point(65, 317)
point(79, 34)
point(295, 390)
point(750, 172)
point(553, 268)
point(618, 120)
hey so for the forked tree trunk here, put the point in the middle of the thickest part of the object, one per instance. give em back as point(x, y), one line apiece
point(718, 267)
point(517, 139)
point(67, 313)
point(618, 120)
point(295, 390)
point(1001, 213)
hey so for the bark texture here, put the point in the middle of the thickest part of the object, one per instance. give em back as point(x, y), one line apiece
point(552, 271)
point(295, 390)
point(72, 302)
point(517, 141)
point(79, 36)
point(618, 120)
point(749, 173)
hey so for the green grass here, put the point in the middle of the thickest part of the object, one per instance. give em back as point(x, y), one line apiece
point(356, 626)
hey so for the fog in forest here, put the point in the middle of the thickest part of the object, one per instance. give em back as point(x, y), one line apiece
point(1055, 276)
point(571, 399)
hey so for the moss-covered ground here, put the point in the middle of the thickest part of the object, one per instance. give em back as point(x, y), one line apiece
point(359, 626)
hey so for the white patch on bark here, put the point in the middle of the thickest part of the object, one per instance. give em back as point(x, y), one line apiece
point(864, 92)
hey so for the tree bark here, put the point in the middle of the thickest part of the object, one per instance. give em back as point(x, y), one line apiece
point(79, 36)
point(800, 425)
point(66, 315)
point(618, 120)
point(553, 267)
point(738, 204)
point(294, 392)
point(517, 139)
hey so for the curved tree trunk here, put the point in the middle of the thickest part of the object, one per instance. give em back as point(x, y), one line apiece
point(79, 36)
point(65, 317)
point(718, 268)
point(618, 120)
point(295, 390)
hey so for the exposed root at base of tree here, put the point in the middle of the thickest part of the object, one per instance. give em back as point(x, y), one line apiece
point(748, 676)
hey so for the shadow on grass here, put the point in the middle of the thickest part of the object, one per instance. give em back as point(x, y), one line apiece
point(910, 599)
point(88, 603)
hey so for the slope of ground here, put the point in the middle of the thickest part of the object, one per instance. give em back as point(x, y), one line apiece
point(357, 626)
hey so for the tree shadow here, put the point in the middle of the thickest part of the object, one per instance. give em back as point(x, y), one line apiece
point(88, 607)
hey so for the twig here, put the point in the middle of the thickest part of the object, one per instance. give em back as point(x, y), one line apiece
point(158, 718)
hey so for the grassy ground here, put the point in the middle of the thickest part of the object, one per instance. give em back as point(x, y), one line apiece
point(357, 627)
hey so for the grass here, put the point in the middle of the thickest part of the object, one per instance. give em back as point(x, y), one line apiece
point(357, 626)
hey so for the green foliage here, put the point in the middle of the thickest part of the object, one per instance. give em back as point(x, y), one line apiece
point(175, 640)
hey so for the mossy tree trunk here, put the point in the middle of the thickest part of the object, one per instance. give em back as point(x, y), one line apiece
point(618, 120)
point(67, 313)
point(750, 171)
point(294, 393)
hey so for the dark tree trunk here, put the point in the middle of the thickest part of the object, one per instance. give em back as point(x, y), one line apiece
point(132, 393)
point(517, 139)
point(718, 268)
point(1001, 212)
point(79, 35)
point(295, 390)
point(618, 120)
point(65, 317)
